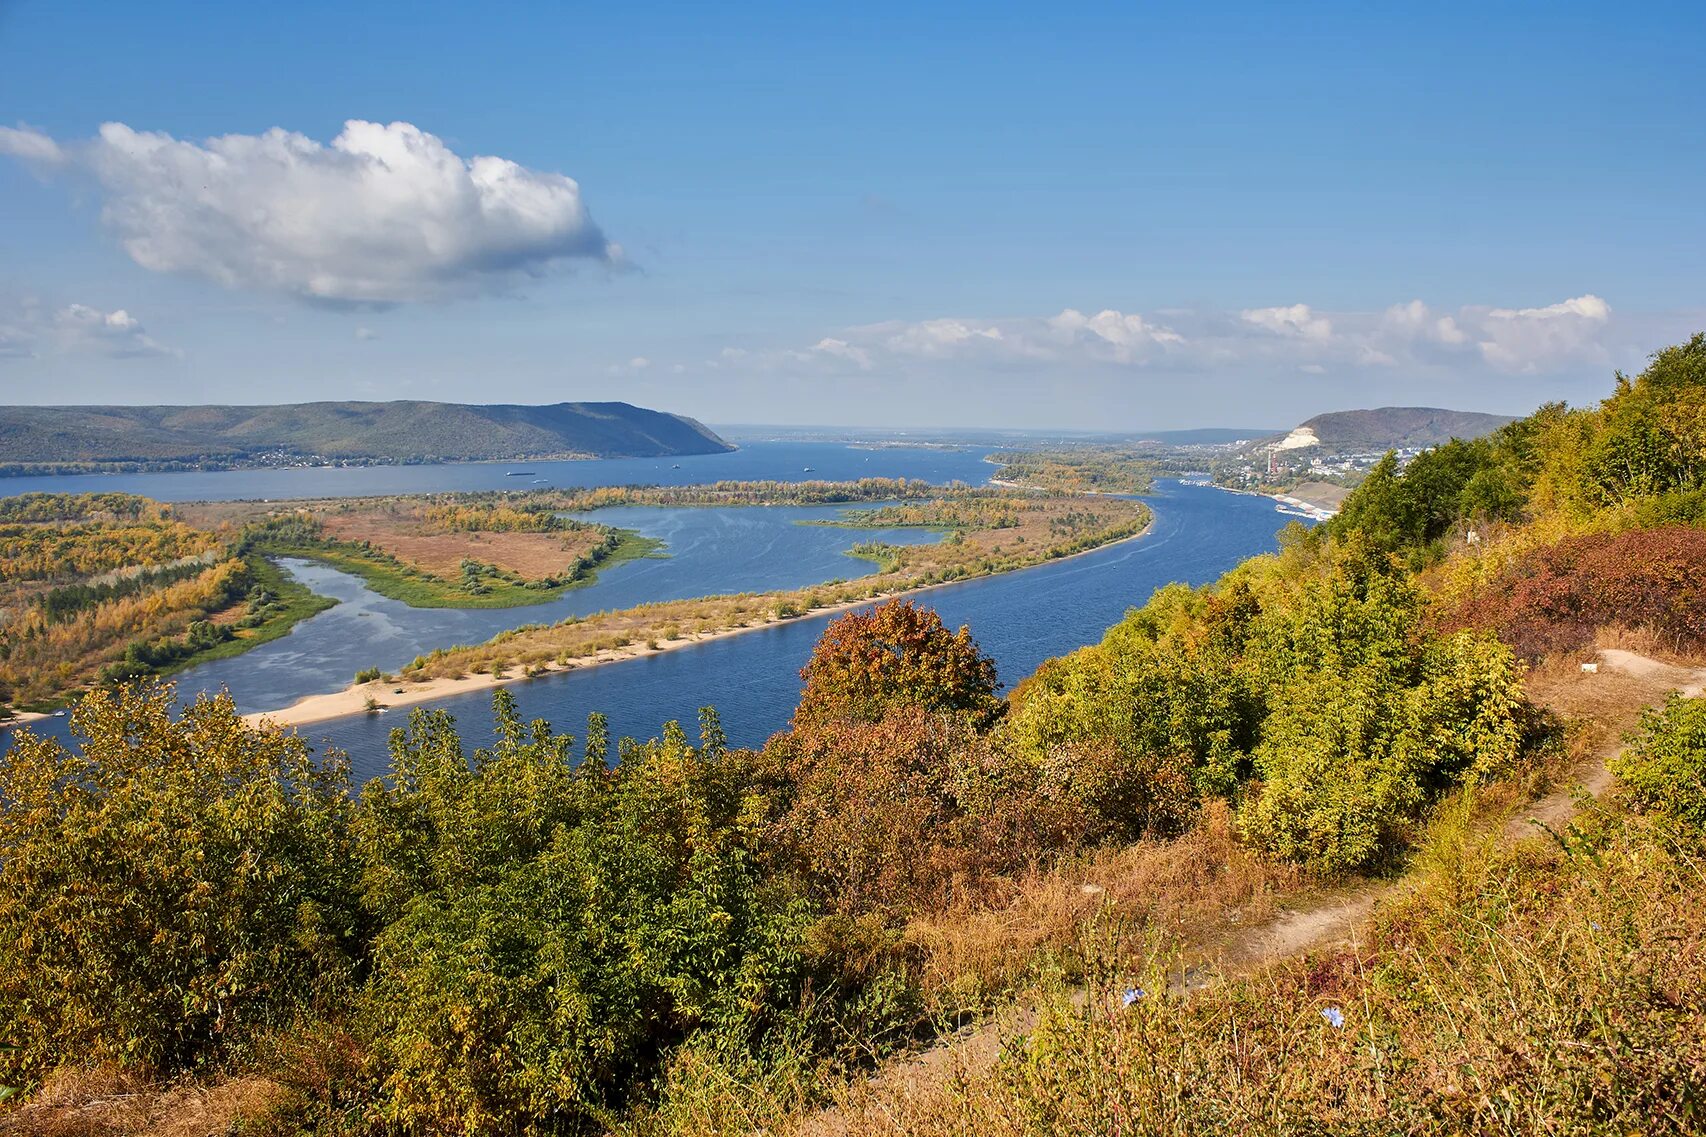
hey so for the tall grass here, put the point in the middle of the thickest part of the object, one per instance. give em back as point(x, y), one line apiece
point(1554, 988)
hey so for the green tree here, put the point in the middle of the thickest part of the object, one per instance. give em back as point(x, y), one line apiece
point(1652, 431)
point(168, 886)
point(553, 931)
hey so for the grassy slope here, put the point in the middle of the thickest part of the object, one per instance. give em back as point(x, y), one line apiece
point(1513, 979)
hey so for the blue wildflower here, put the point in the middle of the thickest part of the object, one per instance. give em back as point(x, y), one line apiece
point(1334, 1016)
point(1132, 995)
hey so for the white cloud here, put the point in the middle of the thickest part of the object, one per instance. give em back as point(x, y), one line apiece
point(1414, 321)
point(382, 214)
point(364, 334)
point(1529, 340)
point(1295, 320)
point(31, 147)
point(1294, 337)
point(30, 331)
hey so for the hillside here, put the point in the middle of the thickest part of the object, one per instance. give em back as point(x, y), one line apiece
point(1385, 428)
point(395, 431)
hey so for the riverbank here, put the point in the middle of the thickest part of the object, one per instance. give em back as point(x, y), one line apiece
point(395, 694)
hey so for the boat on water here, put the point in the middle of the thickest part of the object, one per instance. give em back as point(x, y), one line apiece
point(807, 470)
point(519, 474)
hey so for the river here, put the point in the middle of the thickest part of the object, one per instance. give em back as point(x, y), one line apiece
point(1019, 618)
point(754, 461)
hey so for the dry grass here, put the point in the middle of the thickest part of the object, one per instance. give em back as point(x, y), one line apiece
point(1535, 990)
point(1197, 891)
point(105, 1101)
point(532, 556)
point(1600, 707)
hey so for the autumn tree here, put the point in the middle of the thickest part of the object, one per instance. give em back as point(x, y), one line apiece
point(169, 886)
point(896, 655)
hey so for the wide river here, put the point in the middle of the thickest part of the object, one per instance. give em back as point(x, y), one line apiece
point(1019, 618)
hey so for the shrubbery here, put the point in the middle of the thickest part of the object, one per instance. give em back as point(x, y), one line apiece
point(1557, 597)
point(170, 886)
point(1311, 674)
point(1664, 767)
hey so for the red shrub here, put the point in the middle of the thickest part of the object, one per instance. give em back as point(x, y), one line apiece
point(1557, 598)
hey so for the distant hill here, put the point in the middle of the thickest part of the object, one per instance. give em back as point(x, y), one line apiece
point(1386, 428)
point(396, 432)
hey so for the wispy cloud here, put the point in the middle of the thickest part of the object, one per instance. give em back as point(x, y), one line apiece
point(1298, 337)
point(30, 330)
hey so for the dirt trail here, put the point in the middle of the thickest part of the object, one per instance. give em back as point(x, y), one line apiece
point(1294, 931)
point(1593, 775)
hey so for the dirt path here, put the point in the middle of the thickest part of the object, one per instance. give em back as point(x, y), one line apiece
point(1593, 775)
point(1308, 927)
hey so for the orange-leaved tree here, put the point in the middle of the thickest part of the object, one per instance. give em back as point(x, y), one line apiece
point(896, 655)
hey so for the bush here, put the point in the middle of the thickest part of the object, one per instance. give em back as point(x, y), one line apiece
point(552, 935)
point(1365, 724)
point(1664, 767)
point(369, 675)
point(169, 887)
point(1556, 598)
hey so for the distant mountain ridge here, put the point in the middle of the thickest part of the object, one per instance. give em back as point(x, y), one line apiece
point(1385, 428)
point(349, 431)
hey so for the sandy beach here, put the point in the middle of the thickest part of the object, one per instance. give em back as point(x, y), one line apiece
point(396, 694)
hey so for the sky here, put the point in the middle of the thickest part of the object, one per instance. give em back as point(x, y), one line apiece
point(1104, 217)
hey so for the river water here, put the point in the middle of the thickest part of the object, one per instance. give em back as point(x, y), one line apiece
point(1019, 618)
point(755, 461)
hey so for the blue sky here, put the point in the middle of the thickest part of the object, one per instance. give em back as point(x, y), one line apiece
point(1090, 216)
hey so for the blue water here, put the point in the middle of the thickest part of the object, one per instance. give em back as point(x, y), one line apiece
point(711, 551)
point(1021, 618)
point(758, 461)
point(752, 679)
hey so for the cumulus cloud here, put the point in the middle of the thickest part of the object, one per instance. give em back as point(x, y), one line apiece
point(1295, 337)
point(1529, 340)
point(383, 214)
point(31, 330)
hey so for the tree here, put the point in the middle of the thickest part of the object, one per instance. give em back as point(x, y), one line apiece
point(170, 886)
point(896, 655)
point(1652, 436)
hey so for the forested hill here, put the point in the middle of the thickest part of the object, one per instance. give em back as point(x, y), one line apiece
point(395, 431)
point(1386, 427)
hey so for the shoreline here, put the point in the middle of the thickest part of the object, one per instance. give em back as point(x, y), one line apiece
point(352, 700)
